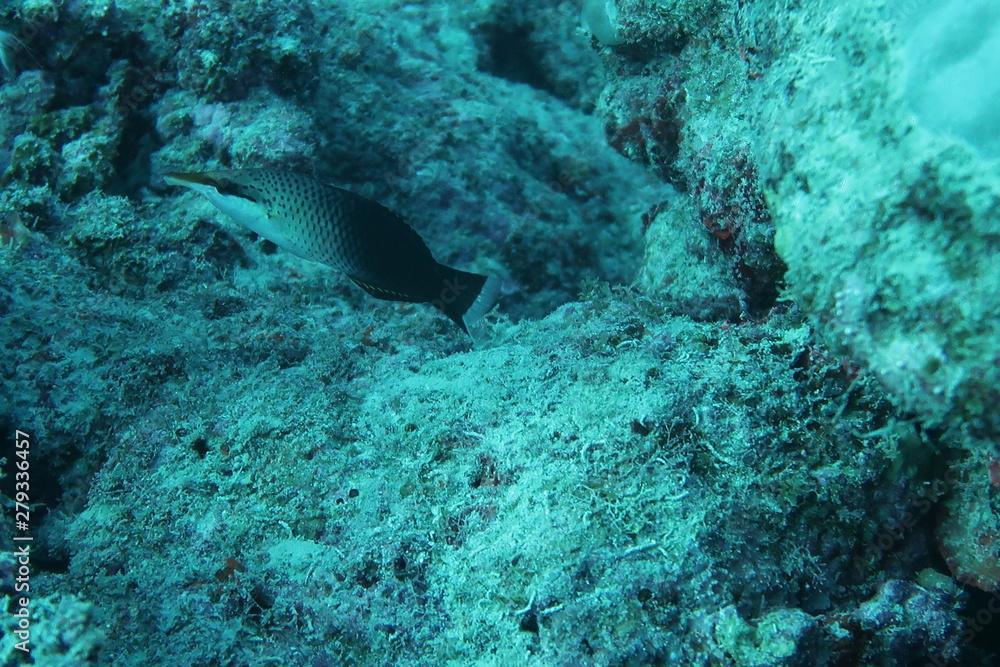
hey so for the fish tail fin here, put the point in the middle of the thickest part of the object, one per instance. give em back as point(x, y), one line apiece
point(465, 297)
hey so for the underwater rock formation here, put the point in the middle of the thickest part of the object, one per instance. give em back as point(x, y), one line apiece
point(735, 405)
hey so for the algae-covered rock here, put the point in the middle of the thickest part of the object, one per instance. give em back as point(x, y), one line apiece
point(780, 638)
point(63, 633)
point(889, 232)
point(23, 99)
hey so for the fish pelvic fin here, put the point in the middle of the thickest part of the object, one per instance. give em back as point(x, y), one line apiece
point(465, 297)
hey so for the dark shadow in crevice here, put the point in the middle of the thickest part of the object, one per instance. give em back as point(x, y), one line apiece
point(44, 490)
point(133, 161)
point(509, 52)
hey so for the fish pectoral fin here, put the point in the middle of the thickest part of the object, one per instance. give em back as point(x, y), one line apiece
point(381, 292)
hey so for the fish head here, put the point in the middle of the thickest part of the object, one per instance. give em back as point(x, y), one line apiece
point(232, 192)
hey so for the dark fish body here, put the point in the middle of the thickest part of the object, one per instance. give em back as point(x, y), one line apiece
point(373, 245)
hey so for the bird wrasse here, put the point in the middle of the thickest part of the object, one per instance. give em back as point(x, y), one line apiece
point(374, 246)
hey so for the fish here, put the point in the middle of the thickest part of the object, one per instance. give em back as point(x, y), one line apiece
point(357, 236)
point(7, 44)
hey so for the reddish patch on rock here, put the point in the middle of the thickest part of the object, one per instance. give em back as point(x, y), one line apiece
point(225, 573)
point(968, 535)
point(649, 132)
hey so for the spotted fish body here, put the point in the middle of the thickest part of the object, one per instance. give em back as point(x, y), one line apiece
point(375, 247)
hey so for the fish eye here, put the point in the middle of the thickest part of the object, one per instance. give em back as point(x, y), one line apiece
point(235, 190)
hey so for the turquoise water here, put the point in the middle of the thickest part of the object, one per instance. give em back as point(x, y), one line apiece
point(728, 397)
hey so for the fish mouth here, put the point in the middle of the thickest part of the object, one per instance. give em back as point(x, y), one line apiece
point(189, 178)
